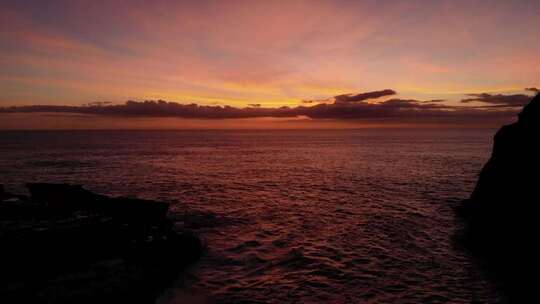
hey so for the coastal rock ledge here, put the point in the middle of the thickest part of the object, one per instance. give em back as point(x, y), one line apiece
point(65, 244)
point(502, 218)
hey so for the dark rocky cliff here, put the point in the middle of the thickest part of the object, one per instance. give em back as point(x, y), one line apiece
point(502, 219)
point(65, 244)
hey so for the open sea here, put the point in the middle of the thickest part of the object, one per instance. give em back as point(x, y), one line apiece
point(290, 216)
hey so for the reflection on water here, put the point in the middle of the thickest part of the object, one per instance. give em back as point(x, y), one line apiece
point(317, 216)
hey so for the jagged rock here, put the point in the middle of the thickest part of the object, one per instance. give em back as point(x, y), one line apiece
point(69, 198)
point(61, 195)
point(57, 247)
point(507, 183)
point(510, 174)
point(4, 195)
point(502, 213)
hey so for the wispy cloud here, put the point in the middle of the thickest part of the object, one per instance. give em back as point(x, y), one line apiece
point(352, 98)
point(514, 100)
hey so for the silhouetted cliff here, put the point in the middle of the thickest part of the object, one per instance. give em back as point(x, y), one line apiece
point(502, 213)
point(65, 244)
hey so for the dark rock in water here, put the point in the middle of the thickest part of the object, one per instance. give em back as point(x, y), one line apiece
point(61, 195)
point(68, 198)
point(66, 244)
point(4, 195)
point(502, 212)
point(10, 197)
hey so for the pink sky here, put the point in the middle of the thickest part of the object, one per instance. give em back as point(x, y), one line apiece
point(269, 53)
point(272, 53)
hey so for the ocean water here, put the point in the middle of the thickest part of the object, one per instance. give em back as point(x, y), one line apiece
point(320, 216)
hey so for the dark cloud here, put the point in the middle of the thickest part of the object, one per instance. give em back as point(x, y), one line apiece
point(324, 100)
point(254, 105)
point(350, 98)
point(413, 103)
point(514, 100)
point(396, 109)
point(535, 90)
point(97, 103)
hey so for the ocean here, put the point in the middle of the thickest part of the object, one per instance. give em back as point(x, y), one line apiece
point(288, 216)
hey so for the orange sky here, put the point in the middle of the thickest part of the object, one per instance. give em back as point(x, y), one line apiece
point(271, 53)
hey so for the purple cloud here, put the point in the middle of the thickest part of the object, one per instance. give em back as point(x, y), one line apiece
point(350, 98)
point(514, 100)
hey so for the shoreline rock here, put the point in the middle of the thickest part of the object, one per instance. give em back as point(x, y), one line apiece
point(65, 244)
point(501, 215)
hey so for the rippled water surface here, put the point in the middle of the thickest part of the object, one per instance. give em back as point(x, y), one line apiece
point(289, 216)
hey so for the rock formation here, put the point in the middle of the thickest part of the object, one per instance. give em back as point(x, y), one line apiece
point(65, 244)
point(502, 212)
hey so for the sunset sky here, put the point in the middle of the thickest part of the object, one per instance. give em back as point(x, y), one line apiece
point(265, 53)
